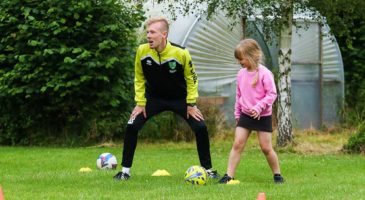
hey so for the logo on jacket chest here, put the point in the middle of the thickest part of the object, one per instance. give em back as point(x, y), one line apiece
point(172, 66)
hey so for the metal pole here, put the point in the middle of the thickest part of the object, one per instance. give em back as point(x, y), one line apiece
point(320, 75)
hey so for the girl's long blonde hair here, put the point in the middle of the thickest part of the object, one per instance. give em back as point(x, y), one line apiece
point(250, 49)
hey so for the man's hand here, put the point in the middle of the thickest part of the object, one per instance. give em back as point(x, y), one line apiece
point(194, 112)
point(137, 110)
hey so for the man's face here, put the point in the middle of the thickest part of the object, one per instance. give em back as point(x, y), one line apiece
point(156, 35)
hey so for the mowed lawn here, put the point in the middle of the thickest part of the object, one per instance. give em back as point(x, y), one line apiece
point(53, 173)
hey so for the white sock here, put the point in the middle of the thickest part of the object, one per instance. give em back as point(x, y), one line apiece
point(126, 170)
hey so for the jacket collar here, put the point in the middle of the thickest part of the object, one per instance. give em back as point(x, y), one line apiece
point(167, 47)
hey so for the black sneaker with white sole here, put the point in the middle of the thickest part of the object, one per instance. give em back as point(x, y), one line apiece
point(212, 174)
point(121, 176)
point(225, 179)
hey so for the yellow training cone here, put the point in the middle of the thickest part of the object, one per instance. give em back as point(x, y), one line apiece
point(161, 172)
point(85, 169)
point(233, 182)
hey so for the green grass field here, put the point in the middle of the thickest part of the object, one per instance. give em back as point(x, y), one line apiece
point(53, 173)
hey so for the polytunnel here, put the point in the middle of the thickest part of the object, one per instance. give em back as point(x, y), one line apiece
point(317, 75)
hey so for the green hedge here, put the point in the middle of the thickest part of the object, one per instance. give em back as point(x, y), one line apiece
point(356, 143)
point(66, 69)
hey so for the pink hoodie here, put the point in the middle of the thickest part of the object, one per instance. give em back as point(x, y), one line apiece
point(259, 98)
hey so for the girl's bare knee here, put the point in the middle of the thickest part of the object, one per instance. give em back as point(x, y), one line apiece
point(238, 146)
point(266, 150)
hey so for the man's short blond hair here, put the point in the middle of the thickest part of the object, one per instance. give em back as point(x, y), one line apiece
point(164, 21)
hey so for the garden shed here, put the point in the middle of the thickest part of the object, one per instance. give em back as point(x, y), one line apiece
point(317, 75)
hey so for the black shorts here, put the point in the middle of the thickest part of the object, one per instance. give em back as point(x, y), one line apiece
point(264, 124)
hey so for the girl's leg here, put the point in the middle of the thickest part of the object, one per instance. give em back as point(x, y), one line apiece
point(239, 143)
point(270, 154)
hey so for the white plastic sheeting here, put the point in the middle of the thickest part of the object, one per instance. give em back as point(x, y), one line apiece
point(317, 77)
point(211, 44)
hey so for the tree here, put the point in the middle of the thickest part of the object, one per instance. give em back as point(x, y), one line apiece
point(284, 85)
point(66, 68)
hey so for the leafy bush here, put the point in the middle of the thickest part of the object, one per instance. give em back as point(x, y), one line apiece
point(356, 143)
point(353, 57)
point(66, 69)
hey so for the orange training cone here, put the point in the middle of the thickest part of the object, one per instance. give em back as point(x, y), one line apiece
point(1, 194)
point(261, 196)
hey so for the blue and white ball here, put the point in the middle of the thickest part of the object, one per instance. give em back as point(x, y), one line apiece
point(106, 161)
point(196, 175)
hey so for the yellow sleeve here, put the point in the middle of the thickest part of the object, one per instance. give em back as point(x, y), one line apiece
point(139, 81)
point(191, 79)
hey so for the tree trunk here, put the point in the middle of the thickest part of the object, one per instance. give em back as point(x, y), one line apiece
point(244, 26)
point(285, 135)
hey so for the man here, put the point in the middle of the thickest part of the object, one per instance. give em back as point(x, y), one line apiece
point(165, 80)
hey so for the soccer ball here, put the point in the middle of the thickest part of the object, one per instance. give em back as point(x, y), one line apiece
point(196, 175)
point(106, 161)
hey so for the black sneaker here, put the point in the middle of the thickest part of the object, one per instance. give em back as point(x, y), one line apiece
point(212, 174)
point(225, 179)
point(278, 179)
point(121, 176)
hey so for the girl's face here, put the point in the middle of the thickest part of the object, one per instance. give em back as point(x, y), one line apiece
point(244, 62)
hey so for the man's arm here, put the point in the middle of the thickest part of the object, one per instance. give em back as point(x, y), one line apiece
point(191, 79)
point(139, 81)
point(192, 88)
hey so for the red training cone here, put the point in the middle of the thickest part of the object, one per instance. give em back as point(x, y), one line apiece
point(1, 194)
point(261, 196)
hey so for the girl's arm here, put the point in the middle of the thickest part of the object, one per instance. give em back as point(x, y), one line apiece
point(270, 93)
point(237, 106)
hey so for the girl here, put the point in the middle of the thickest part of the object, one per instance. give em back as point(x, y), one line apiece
point(255, 95)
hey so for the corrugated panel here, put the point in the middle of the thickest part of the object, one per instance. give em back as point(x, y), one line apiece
point(306, 54)
point(211, 45)
point(333, 79)
point(305, 44)
point(332, 59)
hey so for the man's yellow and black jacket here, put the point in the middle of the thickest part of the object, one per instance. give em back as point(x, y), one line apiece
point(169, 74)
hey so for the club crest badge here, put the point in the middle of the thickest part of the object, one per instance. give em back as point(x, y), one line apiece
point(172, 66)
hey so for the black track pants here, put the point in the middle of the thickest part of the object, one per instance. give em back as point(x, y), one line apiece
point(155, 106)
